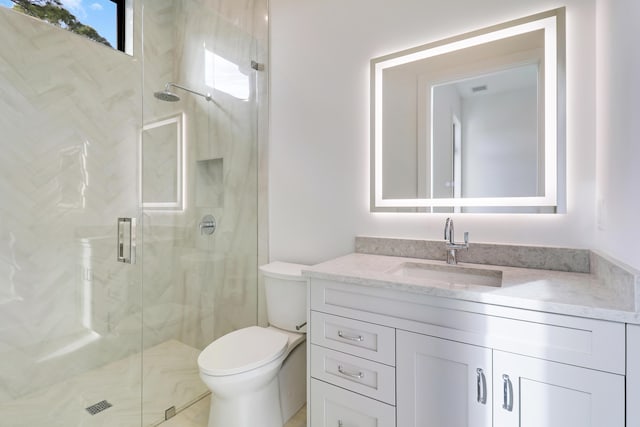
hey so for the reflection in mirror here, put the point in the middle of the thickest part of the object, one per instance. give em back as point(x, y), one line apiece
point(472, 123)
point(161, 168)
point(485, 129)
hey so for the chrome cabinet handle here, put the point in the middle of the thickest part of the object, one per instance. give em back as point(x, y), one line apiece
point(357, 338)
point(358, 375)
point(481, 386)
point(126, 244)
point(507, 393)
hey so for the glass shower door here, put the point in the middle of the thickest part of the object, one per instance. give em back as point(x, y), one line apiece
point(199, 161)
point(86, 149)
point(70, 330)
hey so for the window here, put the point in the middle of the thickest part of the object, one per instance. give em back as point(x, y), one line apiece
point(102, 21)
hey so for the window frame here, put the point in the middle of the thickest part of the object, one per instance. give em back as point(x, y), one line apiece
point(120, 24)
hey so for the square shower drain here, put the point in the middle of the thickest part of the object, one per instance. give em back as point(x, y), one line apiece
point(98, 407)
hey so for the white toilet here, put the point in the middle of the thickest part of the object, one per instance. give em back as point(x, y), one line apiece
point(257, 376)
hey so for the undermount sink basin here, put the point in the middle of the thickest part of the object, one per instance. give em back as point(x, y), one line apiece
point(451, 274)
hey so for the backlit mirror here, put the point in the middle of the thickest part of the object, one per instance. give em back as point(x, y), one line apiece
point(473, 123)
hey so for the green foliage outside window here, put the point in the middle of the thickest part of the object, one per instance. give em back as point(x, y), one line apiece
point(52, 11)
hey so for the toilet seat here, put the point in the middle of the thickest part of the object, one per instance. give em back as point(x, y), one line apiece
point(242, 350)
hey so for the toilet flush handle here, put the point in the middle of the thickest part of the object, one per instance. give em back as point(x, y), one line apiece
point(298, 327)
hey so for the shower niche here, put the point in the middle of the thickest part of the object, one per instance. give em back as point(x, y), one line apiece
point(210, 183)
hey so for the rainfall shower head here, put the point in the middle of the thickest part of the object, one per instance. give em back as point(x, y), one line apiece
point(167, 95)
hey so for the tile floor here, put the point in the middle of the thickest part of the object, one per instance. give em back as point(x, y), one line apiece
point(170, 379)
point(197, 415)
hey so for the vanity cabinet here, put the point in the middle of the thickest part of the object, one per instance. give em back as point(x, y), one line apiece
point(433, 362)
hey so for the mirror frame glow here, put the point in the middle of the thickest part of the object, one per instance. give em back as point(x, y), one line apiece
point(552, 23)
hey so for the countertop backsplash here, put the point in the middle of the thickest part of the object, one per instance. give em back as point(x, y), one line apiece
point(540, 257)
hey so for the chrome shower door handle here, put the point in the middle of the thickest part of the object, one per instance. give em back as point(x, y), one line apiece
point(126, 245)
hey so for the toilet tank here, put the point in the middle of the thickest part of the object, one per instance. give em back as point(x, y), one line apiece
point(286, 295)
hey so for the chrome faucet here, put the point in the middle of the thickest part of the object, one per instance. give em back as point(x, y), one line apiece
point(452, 246)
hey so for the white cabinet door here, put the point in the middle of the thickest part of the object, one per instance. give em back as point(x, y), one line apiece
point(442, 383)
point(530, 392)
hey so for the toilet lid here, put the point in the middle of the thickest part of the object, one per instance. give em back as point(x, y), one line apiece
point(242, 350)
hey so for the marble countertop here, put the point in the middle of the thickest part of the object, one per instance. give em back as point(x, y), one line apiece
point(575, 294)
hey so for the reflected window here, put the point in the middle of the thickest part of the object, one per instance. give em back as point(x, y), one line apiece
point(102, 21)
point(225, 76)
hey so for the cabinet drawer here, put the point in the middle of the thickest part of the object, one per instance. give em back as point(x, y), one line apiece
point(333, 406)
point(589, 343)
point(362, 339)
point(354, 373)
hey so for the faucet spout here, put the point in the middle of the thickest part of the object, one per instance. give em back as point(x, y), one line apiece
point(452, 246)
point(449, 231)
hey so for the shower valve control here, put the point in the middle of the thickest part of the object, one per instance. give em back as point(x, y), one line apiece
point(207, 225)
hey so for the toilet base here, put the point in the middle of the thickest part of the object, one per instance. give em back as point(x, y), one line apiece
point(259, 408)
point(292, 379)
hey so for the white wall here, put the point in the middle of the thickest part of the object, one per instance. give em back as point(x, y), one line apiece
point(618, 132)
point(319, 135)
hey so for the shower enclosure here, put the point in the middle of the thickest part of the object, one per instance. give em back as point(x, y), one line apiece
point(85, 339)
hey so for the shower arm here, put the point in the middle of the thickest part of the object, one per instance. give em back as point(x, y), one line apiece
point(207, 96)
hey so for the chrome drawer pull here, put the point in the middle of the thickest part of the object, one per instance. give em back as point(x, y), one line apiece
point(507, 393)
point(358, 376)
point(481, 387)
point(357, 338)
